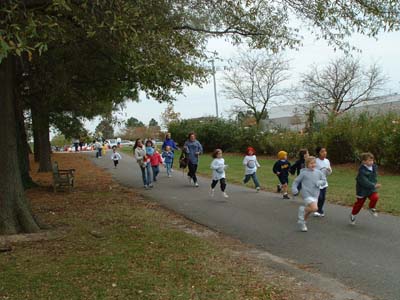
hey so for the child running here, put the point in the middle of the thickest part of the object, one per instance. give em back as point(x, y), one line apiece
point(366, 186)
point(218, 166)
point(168, 156)
point(149, 152)
point(324, 165)
point(115, 156)
point(251, 164)
point(311, 181)
point(281, 169)
point(155, 161)
point(299, 164)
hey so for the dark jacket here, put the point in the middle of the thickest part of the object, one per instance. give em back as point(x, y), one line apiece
point(283, 167)
point(366, 181)
point(298, 165)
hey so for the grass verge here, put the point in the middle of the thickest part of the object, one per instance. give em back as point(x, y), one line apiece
point(117, 246)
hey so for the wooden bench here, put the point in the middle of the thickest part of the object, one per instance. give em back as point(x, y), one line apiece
point(62, 178)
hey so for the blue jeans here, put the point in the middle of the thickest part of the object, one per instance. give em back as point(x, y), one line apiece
point(169, 167)
point(321, 200)
point(156, 170)
point(98, 153)
point(146, 174)
point(254, 177)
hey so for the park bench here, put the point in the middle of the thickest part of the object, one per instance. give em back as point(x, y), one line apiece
point(62, 178)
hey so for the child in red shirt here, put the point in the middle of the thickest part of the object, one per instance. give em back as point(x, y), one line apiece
point(155, 161)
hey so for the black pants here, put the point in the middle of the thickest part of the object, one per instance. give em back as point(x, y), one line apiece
point(192, 171)
point(115, 163)
point(222, 184)
point(321, 200)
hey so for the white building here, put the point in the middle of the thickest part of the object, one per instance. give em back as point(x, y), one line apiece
point(294, 117)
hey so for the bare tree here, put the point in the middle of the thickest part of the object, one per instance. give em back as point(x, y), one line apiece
point(255, 79)
point(341, 85)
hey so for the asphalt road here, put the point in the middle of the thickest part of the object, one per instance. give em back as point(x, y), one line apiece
point(365, 257)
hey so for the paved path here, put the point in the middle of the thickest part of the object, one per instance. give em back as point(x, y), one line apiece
point(365, 257)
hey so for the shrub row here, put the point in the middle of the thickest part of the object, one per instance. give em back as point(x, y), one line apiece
point(345, 137)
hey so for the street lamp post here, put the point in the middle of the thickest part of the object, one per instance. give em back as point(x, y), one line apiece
point(215, 87)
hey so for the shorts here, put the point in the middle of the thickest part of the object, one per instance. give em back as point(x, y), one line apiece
point(310, 200)
point(283, 180)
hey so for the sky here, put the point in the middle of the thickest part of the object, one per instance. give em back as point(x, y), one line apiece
point(198, 102)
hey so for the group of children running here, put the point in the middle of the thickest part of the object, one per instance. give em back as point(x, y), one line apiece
point(311, 180)
point(311, 175)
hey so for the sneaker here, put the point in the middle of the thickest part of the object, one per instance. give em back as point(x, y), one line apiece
point(150, 185)
point(317, 214)
point(373, 212)
point(352, 219)
point(211, 192)
point(301, 214)
point(257, 189)
point(169, 175)
point(303, 227)
point(146, 187)
point(225, 195)
point(286, 196)
point(279, 188)
point(196, 184)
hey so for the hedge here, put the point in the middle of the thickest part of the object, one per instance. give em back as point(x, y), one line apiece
point(345, 137)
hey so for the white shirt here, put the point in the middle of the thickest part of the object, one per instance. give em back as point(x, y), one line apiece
point(218, 166)
point(251, 163)
point(116, 156)
point(324, 166)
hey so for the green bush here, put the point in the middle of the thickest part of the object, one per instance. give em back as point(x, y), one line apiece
point(345, 137)
point(212, 133)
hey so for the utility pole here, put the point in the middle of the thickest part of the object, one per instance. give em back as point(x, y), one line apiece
point(215, 87)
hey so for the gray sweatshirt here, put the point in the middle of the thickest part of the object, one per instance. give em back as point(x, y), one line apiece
point(311, 182)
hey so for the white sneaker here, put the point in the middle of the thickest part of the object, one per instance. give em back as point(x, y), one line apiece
point(169, 176)
point(373, 212)
point(301, 213)
point(225, 195)
point(303, 227)
point(257, 189)
point(352, 219)
point(196, 184)
point(317, 214)
point(211, 192)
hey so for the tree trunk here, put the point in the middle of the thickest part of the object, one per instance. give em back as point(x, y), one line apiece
point(41, 121)
point(35, 119)
point(22, 145)
point(15, 214)
point(44, 144)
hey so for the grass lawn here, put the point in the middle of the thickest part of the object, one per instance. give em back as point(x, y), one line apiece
point(118, 246)
point(341, 188)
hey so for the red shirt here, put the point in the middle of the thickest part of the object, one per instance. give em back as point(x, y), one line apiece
point(155, 159)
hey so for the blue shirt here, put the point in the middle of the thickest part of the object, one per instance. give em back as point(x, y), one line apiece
point(169, 142)
point(191, 149)
point(168, 156)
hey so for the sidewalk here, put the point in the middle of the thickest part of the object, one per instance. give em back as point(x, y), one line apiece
point(364, 257)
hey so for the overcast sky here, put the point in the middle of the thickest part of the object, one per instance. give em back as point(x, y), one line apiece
point(199, 102)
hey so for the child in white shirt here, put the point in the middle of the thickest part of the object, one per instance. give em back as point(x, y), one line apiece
point(251, 164)
point(115, 156)
point(218, 166)
point(323, 164)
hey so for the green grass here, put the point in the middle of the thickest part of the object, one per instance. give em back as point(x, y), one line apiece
point(140, 257)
